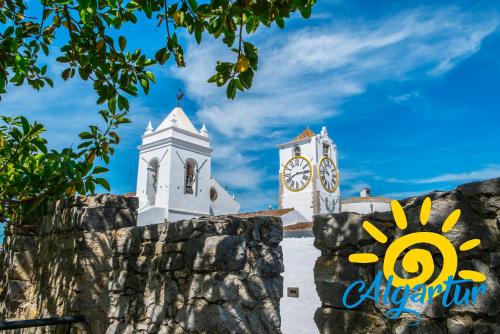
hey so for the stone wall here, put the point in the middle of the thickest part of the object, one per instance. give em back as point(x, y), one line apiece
point(206, 275)
point(341, 234)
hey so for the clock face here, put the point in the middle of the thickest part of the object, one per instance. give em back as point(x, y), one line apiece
point(328, 174)
point(297, 173)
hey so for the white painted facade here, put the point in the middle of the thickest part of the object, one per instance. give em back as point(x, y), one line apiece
point(368, 206)
point(313, 199)
point(174, 174)
point(364, 205)
point(297, 314)
point(222, 203)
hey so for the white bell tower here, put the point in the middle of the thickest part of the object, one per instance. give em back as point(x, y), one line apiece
point(308, 174)
point(173, 180)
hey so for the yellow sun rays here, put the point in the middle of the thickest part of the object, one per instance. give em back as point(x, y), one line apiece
point(451, 221)
point(469, 244)
point(363, 258)
point(425, 211)
point(374, 232)
point(402, 223)
point(474, 276)
point(399, 215)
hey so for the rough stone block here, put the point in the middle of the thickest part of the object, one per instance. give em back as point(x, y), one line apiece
point(330, 320)
point(216, 253)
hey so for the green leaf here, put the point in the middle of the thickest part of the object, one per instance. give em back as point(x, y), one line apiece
point(21, 63)
point(66, 73)
point(305, 11)
point(145, 85)
point(231, 89)
point(49, 82)
point(86, 135)
point(103, 183)
point(45, 49)
point(25, 124)
point(246, 78)
point(8, 31)
point(84, 4)
point(41, 146)
point(280, 22)
point(193, 4)
point(162, 56)
point(229, 39)
point(99, 170)
point(123, 103)
point(150, 76)
point(197, 35)
point(123, 42)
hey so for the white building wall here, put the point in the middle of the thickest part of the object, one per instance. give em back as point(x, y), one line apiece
point(303, 201)
point(175, 143)
point(145, 157)
point(297, 314)
point(329, 202)
point(225, 203)
point(183, 205)
point(366, 207)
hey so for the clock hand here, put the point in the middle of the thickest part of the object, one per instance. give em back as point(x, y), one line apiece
point(304, 172)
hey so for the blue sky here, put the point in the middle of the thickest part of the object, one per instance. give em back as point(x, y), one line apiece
point(409, 92)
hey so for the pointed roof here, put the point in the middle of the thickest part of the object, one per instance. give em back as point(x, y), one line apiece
point(177, 118)
point(307, 133)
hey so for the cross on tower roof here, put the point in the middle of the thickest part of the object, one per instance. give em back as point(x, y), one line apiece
point(180, 95)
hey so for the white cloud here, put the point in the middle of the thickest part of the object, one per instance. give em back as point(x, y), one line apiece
point(240, 177)
point(404, 97)
point(257, 199)
point(352, 188)
point(305, 74)
point(350, 174)
point(488, 172)
point(405, 194)
point(67, 109)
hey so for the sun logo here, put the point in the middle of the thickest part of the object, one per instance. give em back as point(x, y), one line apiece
point(419, 260)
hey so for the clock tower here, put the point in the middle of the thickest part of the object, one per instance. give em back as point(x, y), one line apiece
point(308, 174)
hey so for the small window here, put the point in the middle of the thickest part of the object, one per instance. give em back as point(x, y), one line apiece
point(190, 179)
point(152, 181)
point(296, 151)
point(213, 194)
point(292, 292)
point(326, 150)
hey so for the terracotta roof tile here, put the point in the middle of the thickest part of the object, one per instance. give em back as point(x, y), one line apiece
point(277, 212)
point(298, 227)
point(307, 133)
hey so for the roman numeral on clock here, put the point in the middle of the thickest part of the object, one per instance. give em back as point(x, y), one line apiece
point(328, 174)
point(296, 173)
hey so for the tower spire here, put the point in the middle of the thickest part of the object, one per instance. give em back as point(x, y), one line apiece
point(149, 128)
point(204, 131)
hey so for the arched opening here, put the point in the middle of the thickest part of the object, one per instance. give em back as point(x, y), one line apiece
point(190, 177)
point(296, 150)
point(152, 181)
point(326, 150)
point(213, 194)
